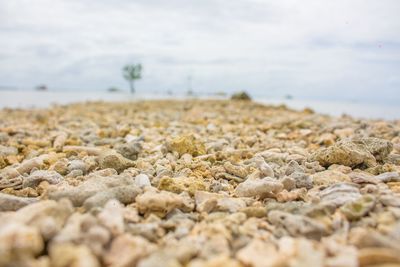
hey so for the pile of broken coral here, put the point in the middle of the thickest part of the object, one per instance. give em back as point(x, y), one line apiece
point(197, 183)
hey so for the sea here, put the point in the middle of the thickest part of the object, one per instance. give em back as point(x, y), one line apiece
point(43, 99)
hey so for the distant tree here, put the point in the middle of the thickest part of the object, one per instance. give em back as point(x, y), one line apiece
point(41, 87)
point(113, 89)
point(131, 73)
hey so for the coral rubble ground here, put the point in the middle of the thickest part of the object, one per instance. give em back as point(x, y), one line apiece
point(197, 183)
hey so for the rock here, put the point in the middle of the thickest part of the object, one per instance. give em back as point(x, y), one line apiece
point(288, 183)
point(209, 202)
point(59, 141)
point(25, 192)
point(106, 187)
point(97, 239)
point(216, 245)
point(388, 177)
point(263, 167)
point(363, 178)
point(296, 194)
point(47, 216)
point(152, 231)
point(295, 207)
point(220, 186)
point(379, 148)
point(329, 177)
point(127, 250)
point(60, 166)
point(293, 167)
point(302, 252)
point(241, 96)
point(359, 208)
point(358, 152)
point(70, 255)
point(112, 159)
point(340, 254)
point(235, 170)
point(339, 194)
point(35, 178)
point(155, 259)
point(7, 151)
point(344, 133)
point(159, 203)
point(297, 225)
point(390, 200)
point(112, 218)
point(75, 165)
point(302, 180)
point(142, 180)
point(215, 262)
point(14, 183)
point(3, 162)
point(230, 204)
point(182, 184)
point(186, 144)
point(259, 254)
point(95, 151)
point(259, 188)
point(19, 242)
point(129, 150)
point(4, 137)
point(368, 238)
point(378, 257)
point(327, 139)
point(28, 165)
point(12, 203)
point(84, 229)
point(74, 227)
point(257, 212)
point(230, 177)
point(124, 194)
point(272, 156)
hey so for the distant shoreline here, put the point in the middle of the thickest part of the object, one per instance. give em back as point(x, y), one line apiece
point(43, 99)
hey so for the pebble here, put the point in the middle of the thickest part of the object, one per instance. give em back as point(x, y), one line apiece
point(127, 250)
point(302, 180)
point(113, 160)
point(36, 177)
point(196, 183)
point(124, 194)
point(19, 242)
point(158, 202)
point(142, 180)
point(129, 150)
point(13, 203)
point(260, 188)
point(340, 194)
point(112, 218)
point(330, 177)
point(355, 152)
point(63, 255)
point(186, 144)
point(297, 225)
point(359, 208)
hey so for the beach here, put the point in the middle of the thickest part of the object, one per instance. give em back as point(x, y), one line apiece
point(196, 183)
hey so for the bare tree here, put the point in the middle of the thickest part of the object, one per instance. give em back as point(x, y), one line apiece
point(131, 73)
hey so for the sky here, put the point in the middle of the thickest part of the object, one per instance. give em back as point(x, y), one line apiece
point(346, 49)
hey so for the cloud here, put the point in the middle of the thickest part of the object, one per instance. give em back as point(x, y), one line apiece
point(306, 48)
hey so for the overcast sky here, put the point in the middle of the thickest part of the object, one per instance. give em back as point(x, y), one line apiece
point(341, 48)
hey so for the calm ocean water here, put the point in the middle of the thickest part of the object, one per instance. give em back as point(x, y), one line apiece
point(42, 99)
